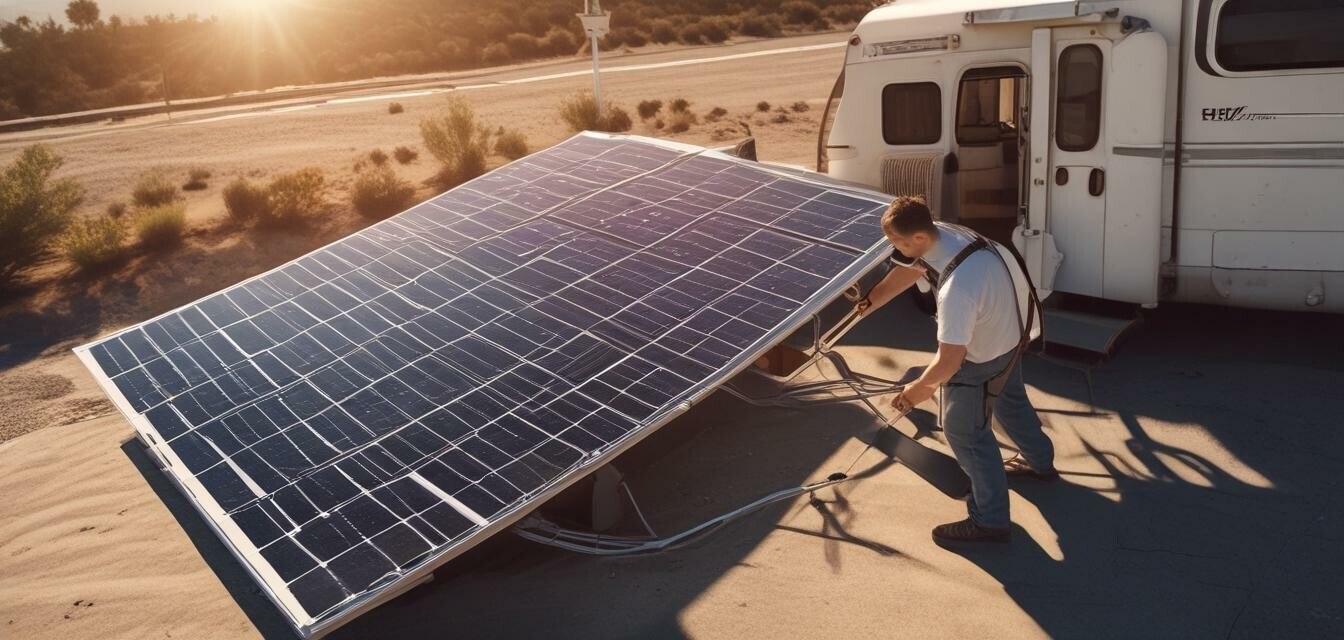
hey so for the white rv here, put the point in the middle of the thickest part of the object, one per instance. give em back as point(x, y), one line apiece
point(1057, 126)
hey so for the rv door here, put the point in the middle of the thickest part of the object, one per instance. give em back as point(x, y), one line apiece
point(1105, 164)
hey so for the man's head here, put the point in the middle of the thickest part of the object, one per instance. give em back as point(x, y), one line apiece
point(909, 226)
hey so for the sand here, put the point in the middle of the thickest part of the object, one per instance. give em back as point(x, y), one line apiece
point(1201, 494)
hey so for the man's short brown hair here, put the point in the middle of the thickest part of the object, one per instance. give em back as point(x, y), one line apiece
point(907, 216)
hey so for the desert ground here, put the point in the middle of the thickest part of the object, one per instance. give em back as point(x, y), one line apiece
point(1200, 495)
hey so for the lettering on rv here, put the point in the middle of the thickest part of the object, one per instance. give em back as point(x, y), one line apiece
point(1232, 114)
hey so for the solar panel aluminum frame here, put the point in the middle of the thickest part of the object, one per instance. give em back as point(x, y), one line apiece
point(307, 625)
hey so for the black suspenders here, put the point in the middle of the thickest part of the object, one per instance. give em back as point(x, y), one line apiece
point(994, 387)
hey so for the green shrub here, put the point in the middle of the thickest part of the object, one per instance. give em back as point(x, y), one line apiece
point(511, 144)
point(662, 31)
point(800, 106)
point(579, 111)
point(395, 107)
point(378, 157)
point(715, 114)
point(457, 141)
point(649, 108)
point(93, 242)
point(800, 12)
point(152, 190)
point(115, 209)
point(34, 208)
point(292, 196)
point(379, 193)
point(245, 200)
point(160, 227)
point(405, 155)
point(679, 105)
point(196, 179)
point(763, 106)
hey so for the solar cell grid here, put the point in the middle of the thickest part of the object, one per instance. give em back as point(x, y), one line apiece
point(383, 401)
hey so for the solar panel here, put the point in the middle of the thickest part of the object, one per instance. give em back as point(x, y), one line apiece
point(351, 420)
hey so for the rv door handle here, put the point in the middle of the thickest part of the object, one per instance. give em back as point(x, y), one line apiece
point(1096, 182)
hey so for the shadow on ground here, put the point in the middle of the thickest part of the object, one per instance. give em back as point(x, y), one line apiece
point(1150, 538)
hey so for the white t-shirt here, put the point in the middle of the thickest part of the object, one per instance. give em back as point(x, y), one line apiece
point(976, 304)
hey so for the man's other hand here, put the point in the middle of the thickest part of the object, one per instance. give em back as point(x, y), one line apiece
point(912, 396)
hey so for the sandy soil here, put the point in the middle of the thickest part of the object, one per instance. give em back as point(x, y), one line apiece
point(1201, 495)
point(57, 309)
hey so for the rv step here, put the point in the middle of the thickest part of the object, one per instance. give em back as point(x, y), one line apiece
point(1085, 331)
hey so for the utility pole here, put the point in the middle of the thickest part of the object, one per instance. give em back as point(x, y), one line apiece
point(596, 22)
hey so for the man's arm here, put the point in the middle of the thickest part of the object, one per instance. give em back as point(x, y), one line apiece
point(945, 364)
point(893, 284)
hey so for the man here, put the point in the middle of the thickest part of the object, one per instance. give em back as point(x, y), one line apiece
point(981, 326)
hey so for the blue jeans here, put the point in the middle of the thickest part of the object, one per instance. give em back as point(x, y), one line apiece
point(972, 438)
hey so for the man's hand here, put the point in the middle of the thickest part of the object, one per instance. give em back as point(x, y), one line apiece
point(863, 306)
point(905, 401)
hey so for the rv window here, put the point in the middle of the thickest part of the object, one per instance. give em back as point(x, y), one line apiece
point(1262, 35)
point(987, 106)
point(1078, 98)
point(912, 113)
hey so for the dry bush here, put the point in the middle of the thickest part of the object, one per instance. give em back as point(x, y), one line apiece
point(152, 190)
point(662, 31)
point(522, 46)
point(714, 30)
point(680, 121)
point(800, 12)
point(763, 106)
point(560, 42)
point(757, 25)
point(292, 196)
point(34, 209)
point(659, 124)
point(160, 227)
point(780, 117)
point(579, 111)
point(405, 155)
point(378, 157)
point(245, 200)
point(457, 141)
point(715, 114)
point(845, 13)
point(511, 144)
point(196, 179)
point(649, 108)
point(115, 209)
point(93, 242)
point(691, 34)
point(394, 108)
point(679, 105)
point(496, 54)
point(800, 107)
point(379, 193)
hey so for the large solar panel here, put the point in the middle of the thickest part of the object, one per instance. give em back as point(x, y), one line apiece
point(354, 418)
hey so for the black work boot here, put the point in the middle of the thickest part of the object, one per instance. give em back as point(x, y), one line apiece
point(966, 531)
